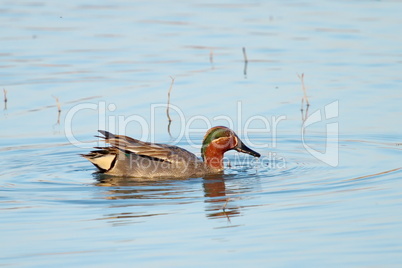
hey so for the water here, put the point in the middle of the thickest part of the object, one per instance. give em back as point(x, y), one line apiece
point(105, 60)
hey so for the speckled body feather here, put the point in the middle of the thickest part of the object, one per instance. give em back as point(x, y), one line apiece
point(134, 158)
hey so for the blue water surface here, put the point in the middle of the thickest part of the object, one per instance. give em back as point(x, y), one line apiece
point(327, 190)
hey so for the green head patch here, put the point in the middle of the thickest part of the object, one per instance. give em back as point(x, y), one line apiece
point(213, 134)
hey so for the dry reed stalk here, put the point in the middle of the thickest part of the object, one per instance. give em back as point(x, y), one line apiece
point(245, 55)
point(57, 103)
point(168, 101)
point(301, 77)
point(211, 56)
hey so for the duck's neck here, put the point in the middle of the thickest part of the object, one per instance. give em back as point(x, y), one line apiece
point(213, 158)
point(213, 152)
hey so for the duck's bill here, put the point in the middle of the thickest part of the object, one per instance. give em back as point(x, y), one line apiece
point(244, 149)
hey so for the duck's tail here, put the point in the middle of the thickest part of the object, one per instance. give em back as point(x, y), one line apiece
point(104, 158)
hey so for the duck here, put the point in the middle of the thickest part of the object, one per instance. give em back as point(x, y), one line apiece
point(128, 157)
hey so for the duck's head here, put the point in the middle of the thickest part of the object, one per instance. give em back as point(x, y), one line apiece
point(217, 141)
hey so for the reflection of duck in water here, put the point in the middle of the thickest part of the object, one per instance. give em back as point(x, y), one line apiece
point(138, 188)
point(130, 157)
point(171, 191)
point(215, 191)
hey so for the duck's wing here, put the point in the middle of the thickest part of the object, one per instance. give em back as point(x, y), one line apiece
point(158, 152)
